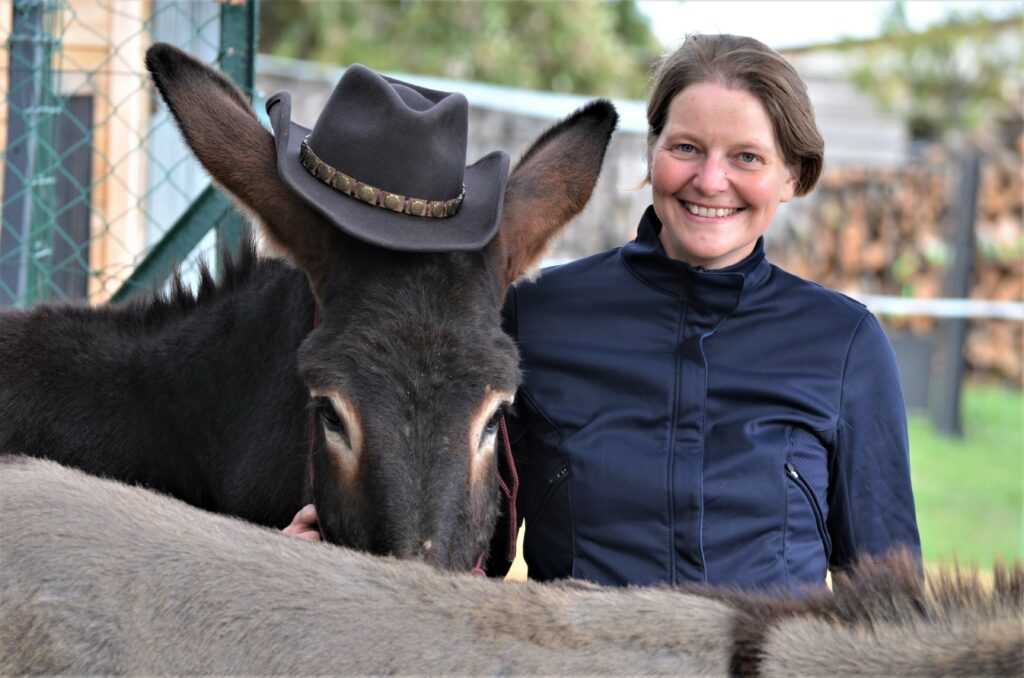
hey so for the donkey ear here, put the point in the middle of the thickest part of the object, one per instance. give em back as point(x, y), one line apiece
point(220, 127)
point(552, 184)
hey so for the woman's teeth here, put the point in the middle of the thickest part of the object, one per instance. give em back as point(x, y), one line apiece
point(709, 211)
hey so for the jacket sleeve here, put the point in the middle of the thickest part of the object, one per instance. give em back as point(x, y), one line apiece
point(871, 504)
point(497, 561)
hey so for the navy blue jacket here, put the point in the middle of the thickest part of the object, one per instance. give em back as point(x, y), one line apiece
point(739, 426)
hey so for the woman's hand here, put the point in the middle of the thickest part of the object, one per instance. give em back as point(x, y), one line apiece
point(304, 524)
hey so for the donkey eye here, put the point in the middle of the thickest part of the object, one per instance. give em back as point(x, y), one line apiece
point(492, 423)
point(331, 418)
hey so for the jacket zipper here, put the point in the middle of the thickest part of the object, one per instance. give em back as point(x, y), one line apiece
point(815, 509)
point(676, 390)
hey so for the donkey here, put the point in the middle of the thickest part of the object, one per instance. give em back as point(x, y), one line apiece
point(207, 396)
point(100, 577)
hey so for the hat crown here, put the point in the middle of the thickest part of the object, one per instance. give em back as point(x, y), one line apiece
point(386, 163)
point(393, 135)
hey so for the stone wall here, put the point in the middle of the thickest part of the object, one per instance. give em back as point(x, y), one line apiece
point(509, 118)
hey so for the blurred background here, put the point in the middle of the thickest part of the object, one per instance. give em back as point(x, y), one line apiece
point(918, 214)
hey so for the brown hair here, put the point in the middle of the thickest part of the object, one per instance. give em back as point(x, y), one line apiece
point(747, 64)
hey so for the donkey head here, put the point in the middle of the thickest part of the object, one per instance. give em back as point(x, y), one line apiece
point(409, 369)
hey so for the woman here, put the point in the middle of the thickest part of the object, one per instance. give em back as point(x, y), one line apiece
point(691, 412)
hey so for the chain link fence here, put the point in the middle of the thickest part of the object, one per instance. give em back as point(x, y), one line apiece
point(100, 196)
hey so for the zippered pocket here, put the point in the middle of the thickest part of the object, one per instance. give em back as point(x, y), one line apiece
point(793, 474)
point(553, 482)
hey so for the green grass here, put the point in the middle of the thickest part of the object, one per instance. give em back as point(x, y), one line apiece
point(970, 491)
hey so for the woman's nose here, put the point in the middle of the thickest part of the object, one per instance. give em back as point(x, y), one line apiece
point(711, 177)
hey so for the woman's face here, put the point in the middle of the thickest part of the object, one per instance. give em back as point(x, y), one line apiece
point(717, 175)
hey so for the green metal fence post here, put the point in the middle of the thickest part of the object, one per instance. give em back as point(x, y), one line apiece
point(238, 43)
point(212, 209)
point(238, 46)
point(30, 162)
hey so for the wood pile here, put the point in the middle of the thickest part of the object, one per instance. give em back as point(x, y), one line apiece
point(888, 231)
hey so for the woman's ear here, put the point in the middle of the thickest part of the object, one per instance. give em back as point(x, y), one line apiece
point(652, 142)
point(792, 179)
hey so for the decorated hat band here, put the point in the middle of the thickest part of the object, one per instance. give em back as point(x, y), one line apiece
point(417, 207)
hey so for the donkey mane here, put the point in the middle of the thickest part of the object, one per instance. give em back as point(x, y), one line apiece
point(880, 593)
point(178, 299)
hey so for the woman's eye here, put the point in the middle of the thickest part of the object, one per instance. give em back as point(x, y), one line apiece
point(748, 158)
point(686, 148)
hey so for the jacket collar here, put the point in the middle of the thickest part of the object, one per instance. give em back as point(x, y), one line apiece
point(709, 294)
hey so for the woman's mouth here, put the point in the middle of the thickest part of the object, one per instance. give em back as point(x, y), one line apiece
point(703, 211)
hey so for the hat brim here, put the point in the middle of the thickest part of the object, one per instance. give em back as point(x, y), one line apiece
point(470, 228)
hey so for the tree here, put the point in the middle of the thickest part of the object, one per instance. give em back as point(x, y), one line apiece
point(958, 76)
point(602, 48)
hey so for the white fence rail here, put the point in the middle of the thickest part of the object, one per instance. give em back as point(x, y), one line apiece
point(942, 308)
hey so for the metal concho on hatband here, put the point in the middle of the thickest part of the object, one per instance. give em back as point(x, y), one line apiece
point(417, 207)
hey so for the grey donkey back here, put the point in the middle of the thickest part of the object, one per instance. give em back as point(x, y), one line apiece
point(101, 577)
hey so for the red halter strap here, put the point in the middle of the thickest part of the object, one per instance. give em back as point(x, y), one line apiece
point(312, 434)
point(510, 494)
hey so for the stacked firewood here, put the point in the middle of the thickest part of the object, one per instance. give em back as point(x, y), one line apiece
point(890, 232)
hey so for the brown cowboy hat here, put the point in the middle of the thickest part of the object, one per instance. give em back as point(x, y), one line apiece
point(386, 163)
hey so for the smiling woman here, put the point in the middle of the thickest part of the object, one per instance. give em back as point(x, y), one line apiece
point(690, 412)
point(717, 175)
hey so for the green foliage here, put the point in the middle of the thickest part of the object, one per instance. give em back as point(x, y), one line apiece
point(569, 46)
point(970, 491)
point(962, 74)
